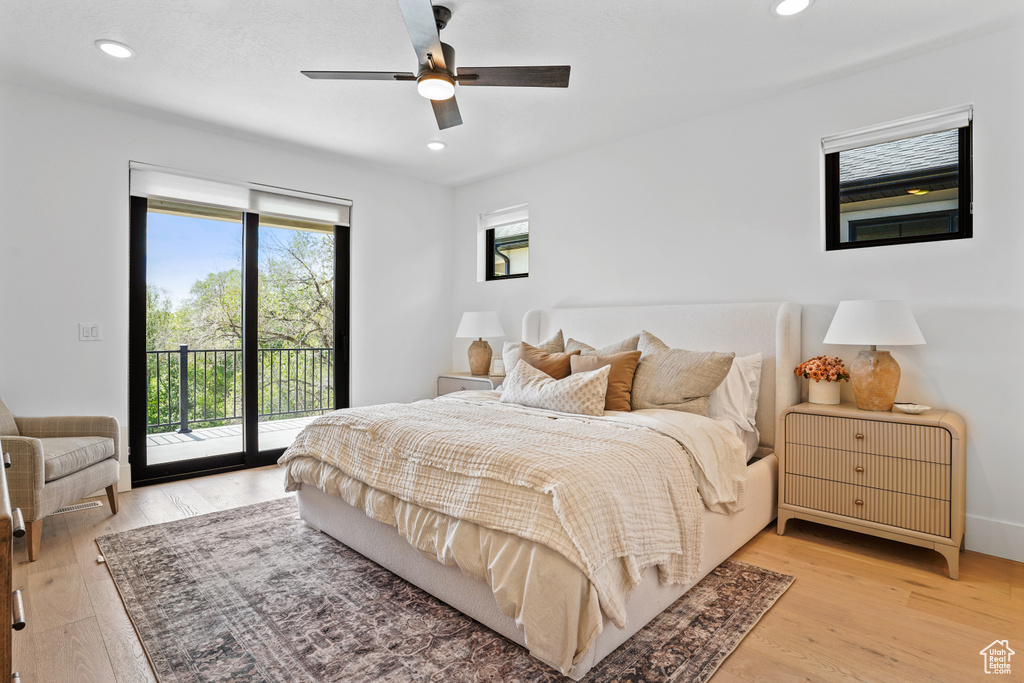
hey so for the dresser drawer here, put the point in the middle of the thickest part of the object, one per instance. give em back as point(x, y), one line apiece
point(865, 469)
point(918, 513)
point(447, 385)
point(913, 442)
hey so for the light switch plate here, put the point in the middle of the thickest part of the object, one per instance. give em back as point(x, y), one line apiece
point(89, 332)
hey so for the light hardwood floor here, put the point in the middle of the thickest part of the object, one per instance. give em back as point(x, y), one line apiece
point(861, 609)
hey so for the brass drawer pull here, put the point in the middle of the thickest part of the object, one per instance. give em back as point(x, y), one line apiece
point(859, 436)
point(858, 468)
point(858, 502)
point(17, 610)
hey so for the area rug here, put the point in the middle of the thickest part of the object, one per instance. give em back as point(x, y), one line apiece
point(253, 594)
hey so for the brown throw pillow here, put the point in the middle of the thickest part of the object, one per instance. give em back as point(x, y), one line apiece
point(620, 379)
point(554, 364)
point(510, 350)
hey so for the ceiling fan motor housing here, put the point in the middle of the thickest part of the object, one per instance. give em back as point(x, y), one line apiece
point(449, 64)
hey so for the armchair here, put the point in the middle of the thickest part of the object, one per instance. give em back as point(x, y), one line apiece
point(56, 461)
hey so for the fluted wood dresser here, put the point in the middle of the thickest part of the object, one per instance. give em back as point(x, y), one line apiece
point(888, 474)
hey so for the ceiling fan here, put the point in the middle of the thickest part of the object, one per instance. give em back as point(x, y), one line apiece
point(437, 75)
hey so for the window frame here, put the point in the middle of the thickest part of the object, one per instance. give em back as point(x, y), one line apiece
point(489, 254)
point(965, 227)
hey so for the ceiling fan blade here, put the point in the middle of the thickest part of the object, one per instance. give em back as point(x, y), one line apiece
point(361, 75)
point(516, 76)
point(446, 112)
point(419, 19)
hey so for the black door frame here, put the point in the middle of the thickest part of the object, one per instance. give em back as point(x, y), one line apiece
point(144, 473)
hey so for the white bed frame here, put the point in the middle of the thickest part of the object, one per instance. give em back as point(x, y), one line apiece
point(771, 329)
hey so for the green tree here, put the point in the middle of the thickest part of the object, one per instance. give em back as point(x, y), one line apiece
point(296, 318)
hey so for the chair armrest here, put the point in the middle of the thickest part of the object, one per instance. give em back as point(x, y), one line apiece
point(27, 473)
point(71, 425)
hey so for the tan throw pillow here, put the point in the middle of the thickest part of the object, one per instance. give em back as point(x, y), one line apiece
point(620, 378)
point(628, 344)
point(676, 379)
point(583, 393)
point(510, 350)
point(553, 364)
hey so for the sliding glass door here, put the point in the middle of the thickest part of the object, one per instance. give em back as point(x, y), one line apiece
point(238, 329)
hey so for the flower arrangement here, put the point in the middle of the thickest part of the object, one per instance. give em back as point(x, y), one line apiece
point(823, 368)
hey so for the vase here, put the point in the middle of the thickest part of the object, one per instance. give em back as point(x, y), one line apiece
point(823, 392)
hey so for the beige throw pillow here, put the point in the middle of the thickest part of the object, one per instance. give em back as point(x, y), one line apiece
point(627, 344)
point(510, 350)
point(620, 379)
point(676, 379)
point(582, 393)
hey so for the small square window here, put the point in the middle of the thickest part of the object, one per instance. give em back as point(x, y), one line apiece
point(504, 236)
point(508, 251)
point(914, 189)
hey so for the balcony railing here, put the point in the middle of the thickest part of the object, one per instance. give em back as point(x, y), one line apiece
point(208, 384)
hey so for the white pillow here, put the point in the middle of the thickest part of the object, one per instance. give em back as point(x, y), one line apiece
point(735, 399)
point(582, 393)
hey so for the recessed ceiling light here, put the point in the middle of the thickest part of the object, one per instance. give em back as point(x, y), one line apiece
point(436, 145)
point(787, 8)
point(115, 49)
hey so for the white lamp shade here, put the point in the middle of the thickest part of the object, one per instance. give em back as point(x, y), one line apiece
point(480, 324)
point(878, 323)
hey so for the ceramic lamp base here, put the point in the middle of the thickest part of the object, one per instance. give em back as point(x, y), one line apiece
point(875, 376)
point(480, 357)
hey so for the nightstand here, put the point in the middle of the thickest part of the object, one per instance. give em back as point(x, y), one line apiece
point(888, 474)
point(463, 381)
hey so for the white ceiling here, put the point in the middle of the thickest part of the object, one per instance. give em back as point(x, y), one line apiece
point(636, 66)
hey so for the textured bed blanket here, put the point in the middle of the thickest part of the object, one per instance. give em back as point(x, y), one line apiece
point(612, 496)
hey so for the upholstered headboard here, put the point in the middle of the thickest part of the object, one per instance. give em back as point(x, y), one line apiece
point(771, 329)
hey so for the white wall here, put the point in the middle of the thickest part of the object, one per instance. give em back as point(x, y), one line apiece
point(64, 252)
point(727, 208)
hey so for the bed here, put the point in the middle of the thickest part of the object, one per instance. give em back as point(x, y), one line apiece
point(770, 329)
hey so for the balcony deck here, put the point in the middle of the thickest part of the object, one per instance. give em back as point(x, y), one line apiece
point(174, 447)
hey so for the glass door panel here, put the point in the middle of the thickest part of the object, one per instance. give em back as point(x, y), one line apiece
point(194, 373)
point(296, 327)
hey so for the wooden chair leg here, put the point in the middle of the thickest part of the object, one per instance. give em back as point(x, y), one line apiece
point(112, 497)
point(34, 536)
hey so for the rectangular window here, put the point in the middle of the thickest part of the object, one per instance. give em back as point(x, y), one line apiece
point(908, 181)
point(238, 319)
point(506, 243)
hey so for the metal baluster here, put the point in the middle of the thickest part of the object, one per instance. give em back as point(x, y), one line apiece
point(183, 388)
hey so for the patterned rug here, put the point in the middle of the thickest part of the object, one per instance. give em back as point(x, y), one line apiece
point(253, 594)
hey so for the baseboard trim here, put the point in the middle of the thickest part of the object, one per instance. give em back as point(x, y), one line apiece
point(995, 537)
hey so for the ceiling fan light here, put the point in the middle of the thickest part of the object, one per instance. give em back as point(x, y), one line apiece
point(435, 87)
point(787, 8)
point(115, 49)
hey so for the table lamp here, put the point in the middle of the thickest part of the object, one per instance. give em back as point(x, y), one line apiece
point(875, 375)
point(480, 324)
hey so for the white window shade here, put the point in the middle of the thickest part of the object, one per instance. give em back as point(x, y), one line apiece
point(513, 214)
point(146, 180)
point(955, 117)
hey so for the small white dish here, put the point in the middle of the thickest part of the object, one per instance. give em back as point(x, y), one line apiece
point(912, 408)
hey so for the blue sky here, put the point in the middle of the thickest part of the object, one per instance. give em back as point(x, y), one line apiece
point(181, 250)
